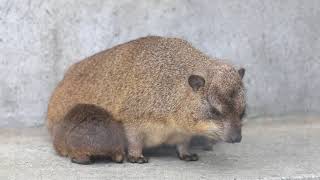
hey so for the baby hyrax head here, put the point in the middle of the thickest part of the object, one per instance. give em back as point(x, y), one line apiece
point(221, 99)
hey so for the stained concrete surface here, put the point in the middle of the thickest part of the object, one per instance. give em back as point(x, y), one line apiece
point(272, 148)
point(277, 42)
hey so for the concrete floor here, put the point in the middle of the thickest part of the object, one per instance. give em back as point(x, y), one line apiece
point(271, 149)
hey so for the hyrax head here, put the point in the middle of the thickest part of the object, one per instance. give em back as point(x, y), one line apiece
point(222, 102)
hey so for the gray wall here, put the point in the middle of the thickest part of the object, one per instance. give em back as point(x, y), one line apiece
point(278, 42)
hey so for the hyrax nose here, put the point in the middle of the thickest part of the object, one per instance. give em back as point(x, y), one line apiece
point(236, 138)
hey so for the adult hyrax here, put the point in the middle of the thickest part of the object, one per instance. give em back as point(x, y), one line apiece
point(163, 90)
point(88, 131)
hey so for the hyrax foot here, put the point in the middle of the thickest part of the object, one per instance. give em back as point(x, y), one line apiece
point(139, 159)
point(85, 160)
point(208, 147)
point(118, 158)
point(183, 152)
point(188, 157)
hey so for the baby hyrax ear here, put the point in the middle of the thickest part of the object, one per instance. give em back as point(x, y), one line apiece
point(196, 82)
point(241, 72)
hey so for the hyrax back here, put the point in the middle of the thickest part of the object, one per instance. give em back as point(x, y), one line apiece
point(87, 131)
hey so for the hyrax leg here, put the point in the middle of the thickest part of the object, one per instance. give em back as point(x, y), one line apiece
point(135, 147)
point(183, 151)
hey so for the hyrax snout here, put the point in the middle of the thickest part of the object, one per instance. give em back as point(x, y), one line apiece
point(88, 131)
point(233, 134)
point(162, 90)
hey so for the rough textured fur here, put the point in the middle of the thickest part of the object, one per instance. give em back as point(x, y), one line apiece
point(144, 84)
point(88, 131)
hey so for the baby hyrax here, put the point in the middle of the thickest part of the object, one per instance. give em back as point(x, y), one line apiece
point(88, 131)
point(163, 90)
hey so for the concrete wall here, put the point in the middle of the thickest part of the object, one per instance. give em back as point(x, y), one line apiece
point(278, 42)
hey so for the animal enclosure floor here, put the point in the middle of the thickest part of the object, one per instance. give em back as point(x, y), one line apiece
point(287, 148)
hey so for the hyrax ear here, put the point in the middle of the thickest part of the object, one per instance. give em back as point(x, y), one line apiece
point(196, 82)
point(241, 72)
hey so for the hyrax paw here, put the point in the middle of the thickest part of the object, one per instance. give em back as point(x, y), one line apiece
point(82, 160)
point(118, 158)
point(208, 147)
point(139, 160)
point(188, 157)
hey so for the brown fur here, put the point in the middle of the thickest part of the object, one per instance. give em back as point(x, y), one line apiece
point(144, 84)
point(89, 131)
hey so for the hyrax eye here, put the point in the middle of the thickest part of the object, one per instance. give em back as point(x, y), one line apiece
point(215, 111)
